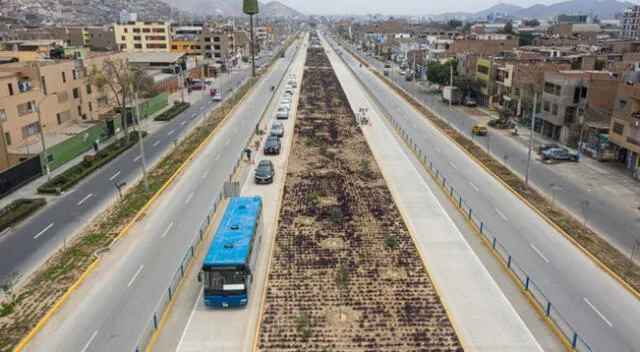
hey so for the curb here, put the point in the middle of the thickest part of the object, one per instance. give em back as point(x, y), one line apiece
point(150, 202)
point(508, 187)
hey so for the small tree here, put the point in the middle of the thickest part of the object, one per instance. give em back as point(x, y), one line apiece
point(508, 28)
point(439, 73)
point(453, 24)
point(466, 83)
point(342, 281)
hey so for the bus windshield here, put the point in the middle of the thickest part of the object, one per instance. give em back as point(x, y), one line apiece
point(224, 281)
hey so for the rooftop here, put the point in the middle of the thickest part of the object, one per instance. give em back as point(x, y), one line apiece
point(155, 57)
point(32, 42)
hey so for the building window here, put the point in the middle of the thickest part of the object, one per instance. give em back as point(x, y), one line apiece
point(618, 128)
point(44, 85)
point(549, 88)
point(547, 106)
point(483, 70)
point(146, 30)
point(136, 30)
point(137, 46)
point(123, 38)
point(64, 78)
point(158, 30)
point(7, 137)
point(63, 117)
point(89, 89)
point(3, 115)
point(622, 104)
point(126, 30)
point(10, 86)
point(90, 107)
point(216, 47)
point(76, 93)
point(137, 37)
point(554, 110)
point(207, 47)
point(174, 47)
point(76, 75)
point(30, 130)
point(217, 55)
point(156, 46)
point(216, 39)
point(80, 110)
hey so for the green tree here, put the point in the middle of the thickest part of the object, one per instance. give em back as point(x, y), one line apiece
point(439, 73)
point(508, 28)
point(533, 23)
point(453, 24)
point(525, 38)
point(467, 27)
point(465, 83)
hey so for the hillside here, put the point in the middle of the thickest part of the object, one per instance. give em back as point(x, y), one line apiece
point(85, 12)
point(233, 8)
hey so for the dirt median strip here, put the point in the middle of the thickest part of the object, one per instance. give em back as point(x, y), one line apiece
point(345, 274)
point(41, 293)
point(604, 254)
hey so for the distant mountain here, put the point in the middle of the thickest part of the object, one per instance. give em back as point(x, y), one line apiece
point(233, 8)
point(604, 9)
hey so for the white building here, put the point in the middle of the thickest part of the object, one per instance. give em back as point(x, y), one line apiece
point(630, 22)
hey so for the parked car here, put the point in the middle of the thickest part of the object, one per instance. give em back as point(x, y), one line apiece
point(272, 146)
point(469, 102)
point(282, 112)
point(292, 82)
point(264, 172)
point(208, 81)
point(387, 65)
point(197, 84)
point(480, 130)
point(217, 97)
point(213, 91)
point(559, 154)
point(277, 129)
point(547, 146)
point(288, 89)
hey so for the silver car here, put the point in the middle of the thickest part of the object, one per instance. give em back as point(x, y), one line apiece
point(282, 112)
point(277, 129)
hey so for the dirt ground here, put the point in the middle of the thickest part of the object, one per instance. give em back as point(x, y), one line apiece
point(594, 244)
point(345, 273)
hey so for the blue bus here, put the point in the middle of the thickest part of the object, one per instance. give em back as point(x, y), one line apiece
point(227, 269)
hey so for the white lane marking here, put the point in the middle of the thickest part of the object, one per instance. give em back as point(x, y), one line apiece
point(597, 312)
point(201, 108)
point(193, 115)
point(437, 150)
point(135, 276)
point(453, 165)
point(205, 174)
point(183, 122)
point(167, 230)
point(85, 198)
point(43, 231)
point(474, 186)
point(229, 141)
point(218, 157)
point(93, 336)
point(170, 133)
point(114, 176)
point(189, 199)
point(414, 125)
point(193, 310)
point(501, 215)
point(539, 253)
point(156, 144)
point(137, 158)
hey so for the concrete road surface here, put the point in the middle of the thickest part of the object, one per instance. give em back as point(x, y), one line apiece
point(115, 303)
point(605, 314)
point(28, 245)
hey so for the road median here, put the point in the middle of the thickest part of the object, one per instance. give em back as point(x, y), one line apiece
point(64, 271)
point(601, 252)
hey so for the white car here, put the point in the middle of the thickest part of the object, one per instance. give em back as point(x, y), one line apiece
point(217, 97)
point(293, 83)
point(282, 112)
point(288, 90)
point(286, 100)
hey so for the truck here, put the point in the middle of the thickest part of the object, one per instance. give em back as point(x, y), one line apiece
point(451, 94)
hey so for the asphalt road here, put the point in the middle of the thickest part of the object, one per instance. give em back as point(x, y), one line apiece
point(606, 315)
point(111, 309)
point(28, 245)
point(619, 225)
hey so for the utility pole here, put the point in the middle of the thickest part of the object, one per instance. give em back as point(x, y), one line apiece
point(250, 7)
point(451, 85)
point(140, 142)
point(44, 147)
point(533, 121)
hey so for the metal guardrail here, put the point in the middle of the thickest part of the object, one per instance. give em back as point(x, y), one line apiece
point(528, 285)
point(161, 309)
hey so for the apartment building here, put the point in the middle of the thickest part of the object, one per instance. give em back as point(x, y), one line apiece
point(484, 74)
point(60, 91)
point(624, 132)
point(630, 22)
point(566, 96)
point(217, 42)
point(142, 36)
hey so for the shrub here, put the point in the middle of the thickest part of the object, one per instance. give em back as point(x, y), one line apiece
point(391, 241)
point(18, 210)
point(313, 198)
point(172, 112)
point(76, 173)
point(335, 215)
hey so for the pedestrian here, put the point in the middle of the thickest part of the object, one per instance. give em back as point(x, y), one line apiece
point(248, 152)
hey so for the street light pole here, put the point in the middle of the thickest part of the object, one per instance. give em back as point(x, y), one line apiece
point(44, 147)
point(533, 121)
point(140, 142)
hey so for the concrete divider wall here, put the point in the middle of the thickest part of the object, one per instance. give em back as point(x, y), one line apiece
point(543, 305)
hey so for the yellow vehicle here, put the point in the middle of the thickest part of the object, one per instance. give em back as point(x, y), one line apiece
point(480, 130)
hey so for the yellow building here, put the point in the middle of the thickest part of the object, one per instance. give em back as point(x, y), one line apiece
point(183, 46)
point(142, 36)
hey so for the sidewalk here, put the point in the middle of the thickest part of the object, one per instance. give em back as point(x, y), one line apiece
point(31, 189)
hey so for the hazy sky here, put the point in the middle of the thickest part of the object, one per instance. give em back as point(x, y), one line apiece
point(418, 7)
